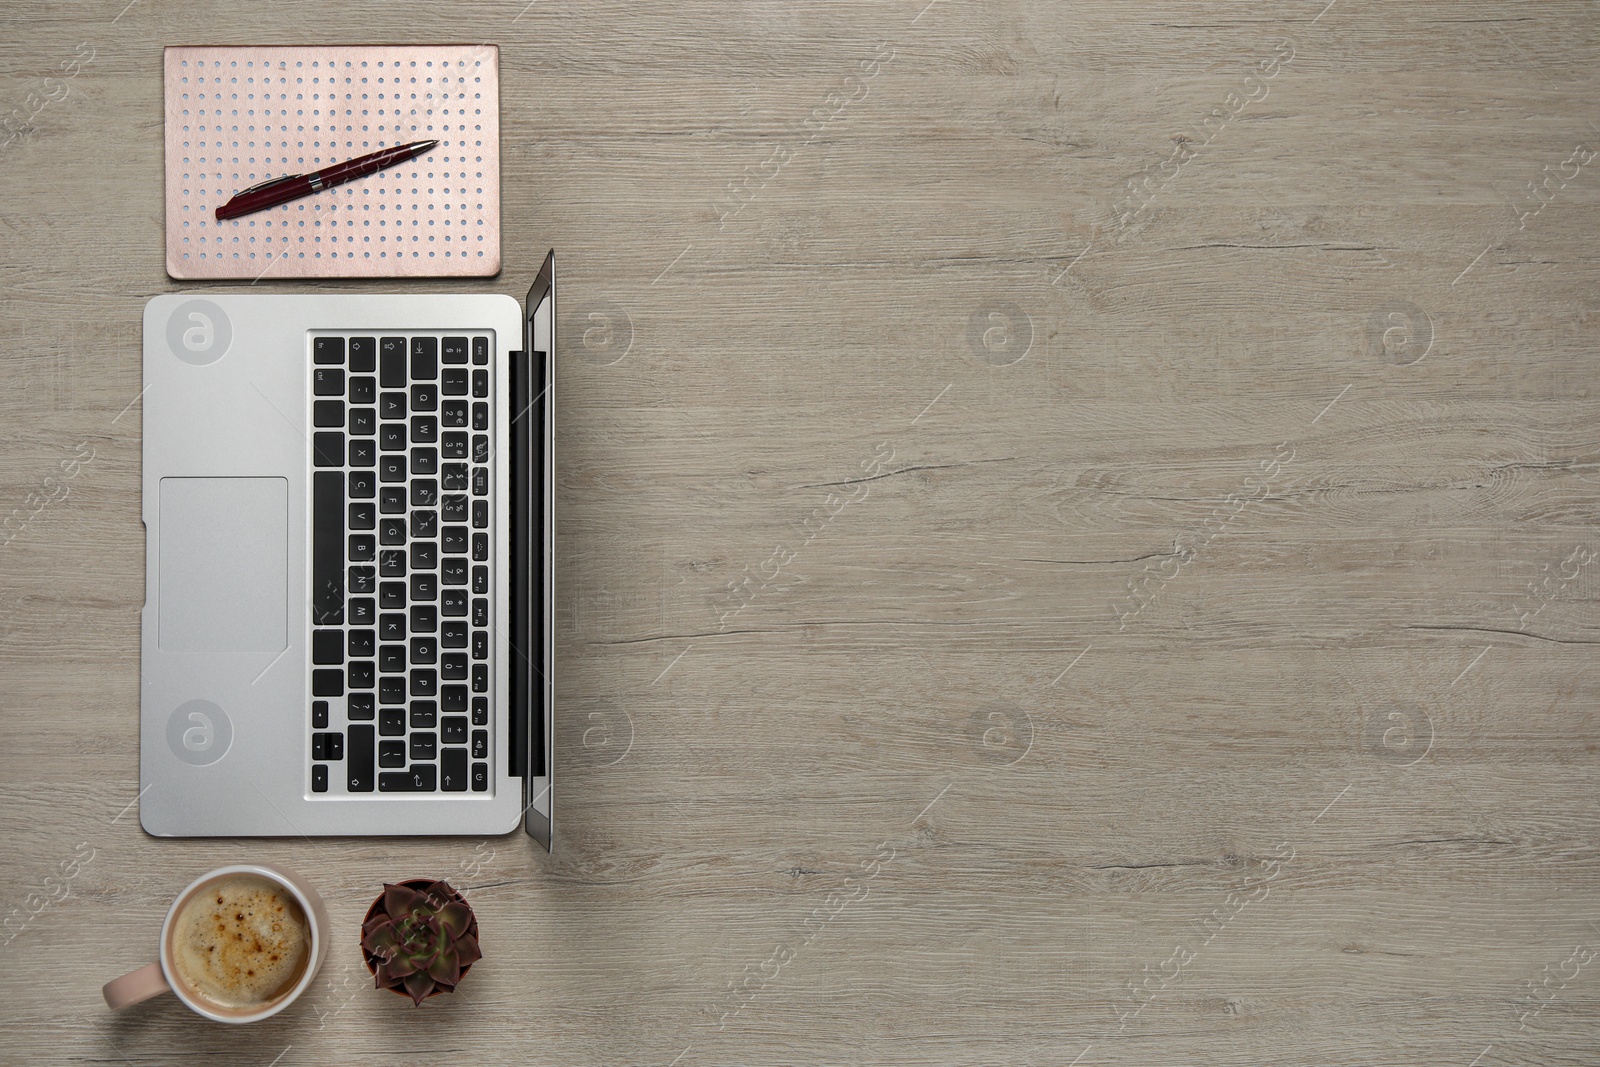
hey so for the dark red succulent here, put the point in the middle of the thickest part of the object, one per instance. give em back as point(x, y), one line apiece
point(419, 938)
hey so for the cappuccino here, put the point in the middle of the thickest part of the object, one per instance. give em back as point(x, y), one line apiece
point(241, 942)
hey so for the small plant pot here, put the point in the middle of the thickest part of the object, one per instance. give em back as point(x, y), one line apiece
point(418, 884)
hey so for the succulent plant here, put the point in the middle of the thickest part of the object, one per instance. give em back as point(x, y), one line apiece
point(420, 941)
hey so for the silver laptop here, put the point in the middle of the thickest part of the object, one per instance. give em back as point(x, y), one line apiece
point(348, 604)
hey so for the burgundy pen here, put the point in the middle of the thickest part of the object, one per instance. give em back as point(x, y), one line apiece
point(294, 186)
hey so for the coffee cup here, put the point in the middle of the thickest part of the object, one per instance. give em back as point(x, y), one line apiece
point(239, 945)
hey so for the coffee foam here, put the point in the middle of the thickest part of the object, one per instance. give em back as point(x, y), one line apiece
point(241, 942)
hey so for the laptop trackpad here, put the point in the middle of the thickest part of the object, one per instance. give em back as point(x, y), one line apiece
point(224, 564)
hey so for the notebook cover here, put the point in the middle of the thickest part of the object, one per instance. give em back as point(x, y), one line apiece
point(237, 116)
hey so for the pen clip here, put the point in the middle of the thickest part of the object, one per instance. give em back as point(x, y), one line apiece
point(269, 183)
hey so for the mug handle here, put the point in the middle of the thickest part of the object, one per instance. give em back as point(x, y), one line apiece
point(136, 986)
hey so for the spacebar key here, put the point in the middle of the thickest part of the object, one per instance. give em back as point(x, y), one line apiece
point(327, 548)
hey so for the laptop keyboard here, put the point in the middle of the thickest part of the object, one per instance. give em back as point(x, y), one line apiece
point(402, 580)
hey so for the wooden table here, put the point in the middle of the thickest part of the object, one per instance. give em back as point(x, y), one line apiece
point(1076, 539)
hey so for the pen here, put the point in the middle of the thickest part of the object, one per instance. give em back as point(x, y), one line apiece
point(294, 186)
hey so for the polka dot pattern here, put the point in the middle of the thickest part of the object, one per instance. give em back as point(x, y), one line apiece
point(236, 117)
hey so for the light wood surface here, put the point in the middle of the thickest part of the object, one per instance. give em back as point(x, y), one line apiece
point(1051, 726)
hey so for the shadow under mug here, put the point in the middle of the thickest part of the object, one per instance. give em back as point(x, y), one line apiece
point(154, 979)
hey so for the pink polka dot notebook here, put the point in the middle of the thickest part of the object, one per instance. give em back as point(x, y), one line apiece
point(239, 116)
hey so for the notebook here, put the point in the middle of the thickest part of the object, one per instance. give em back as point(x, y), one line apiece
point(237, 116)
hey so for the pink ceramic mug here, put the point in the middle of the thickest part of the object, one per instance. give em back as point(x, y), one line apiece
point(168, 976)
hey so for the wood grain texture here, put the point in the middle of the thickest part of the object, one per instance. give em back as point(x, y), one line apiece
point(921, 703)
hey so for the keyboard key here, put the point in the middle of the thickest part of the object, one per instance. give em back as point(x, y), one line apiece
point(424, 397)
point(453, 350)
point(392, 468)
point(392, 405)
point(391, 691)
point(480, 711)
point(363, 484)
point(361, 643)
point(453, 382)
point(480, 415)
point(392, 362)
point(363, 389)
point(362, 547)
point(453, 414)
point(392, 659)
point(327, 682)
point(363, 516)
point(392, 500)
point(359, 764)
point(480, 677)
point(453, 635)
point(453, 666)
point(419, 779)
point(319, 714)
point(391, 753)
point(424, 493)
point(454, 478)
point(423, 715)
point(480, 548)
point(327, 548)
point(424, 650)
point(424, 745)
point(424, 429)
point(424, 555)
point(424, 524)
point(453, 730)
point(362, 609)
point(480, 644)
point(453, 446)
point(392, 628)
point(363, 453)
point(454, 540)
point(424, 586)
point(454, 508)
point(480, 777)
point(392, 721)
point(327, 350)
point(362, 676)
point(327, 646)
point(363, 355)
point(480, 744)
point(424, 460)
point(480, 575)
point(480, 481)
point(480, 448)
point(326, 381)
point(480, 611)
point(328, 448)
point(480, 383)
point(363, 421)
point(392, 437)
point(392, 532)
point(453, 571)
point(424, 620)
point(453, 698)
point(319, 779)
point(480, 514)
point(424, 682)
point(480, 350)
point(392, 595)
point(327, 746)
point(358, 706)
point(424, 358)
point(453, 603)
point(453, 770)
point(391, 563)
point(327, 413)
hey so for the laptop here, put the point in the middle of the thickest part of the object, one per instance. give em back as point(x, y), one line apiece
point(349, 525)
